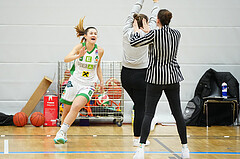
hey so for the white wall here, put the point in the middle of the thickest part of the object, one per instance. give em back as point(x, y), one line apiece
point(36, 34)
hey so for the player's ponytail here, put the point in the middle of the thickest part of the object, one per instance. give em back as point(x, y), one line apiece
point(139, 18)
point(81, 31)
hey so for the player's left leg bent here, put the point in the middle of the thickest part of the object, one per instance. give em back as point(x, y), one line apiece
point(82, 98)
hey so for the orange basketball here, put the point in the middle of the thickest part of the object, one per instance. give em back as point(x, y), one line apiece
point(37, 119)
point(20, 119)
point(114, 92)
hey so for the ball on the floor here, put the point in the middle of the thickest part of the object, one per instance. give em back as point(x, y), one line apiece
point(102, 99)
point(20, 119)
point(37, 119)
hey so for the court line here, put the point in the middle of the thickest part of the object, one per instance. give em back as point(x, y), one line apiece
point(6, 151)
point(119, 152)
point(167, 148)
point(151, 136)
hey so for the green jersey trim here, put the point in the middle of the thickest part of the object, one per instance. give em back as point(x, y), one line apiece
point(73, 68)
point(84, 95)
point(95, 47)
point(65, 102)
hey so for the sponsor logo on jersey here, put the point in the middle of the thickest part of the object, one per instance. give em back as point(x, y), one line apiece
point(81, 58)
point(69, 84)
point(83, 65)
point(92, 88)
point(88, 59)
point(96, 59)
point(90, 66)
point(90, 92)
point(85, 74)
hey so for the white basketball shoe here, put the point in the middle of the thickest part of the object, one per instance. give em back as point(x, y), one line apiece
point(185, 153)
point(60, 138)
point(140, 153)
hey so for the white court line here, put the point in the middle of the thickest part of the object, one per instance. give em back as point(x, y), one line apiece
point(5, 146)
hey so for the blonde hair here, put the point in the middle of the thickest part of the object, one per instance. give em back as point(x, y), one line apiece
point(80, 30)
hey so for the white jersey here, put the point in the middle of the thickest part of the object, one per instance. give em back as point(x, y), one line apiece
point(84, 68)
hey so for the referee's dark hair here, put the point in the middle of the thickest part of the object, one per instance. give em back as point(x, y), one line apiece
point(164, 16)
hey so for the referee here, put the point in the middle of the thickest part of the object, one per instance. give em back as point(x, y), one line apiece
point(163, 73)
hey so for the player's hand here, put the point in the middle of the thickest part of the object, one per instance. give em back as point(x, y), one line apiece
point(81, 52)
point(145, 27)
point(155, 1)
point(135, 26)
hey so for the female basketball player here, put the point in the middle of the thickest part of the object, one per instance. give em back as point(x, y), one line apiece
point(135, 62)
point(84, 74)
point(163, 74)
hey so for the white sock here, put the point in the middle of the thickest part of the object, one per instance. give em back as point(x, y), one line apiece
point(142, 146)
point(64, 127)
point(184, 146)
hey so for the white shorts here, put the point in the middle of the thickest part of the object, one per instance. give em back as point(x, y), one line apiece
point(74, 89)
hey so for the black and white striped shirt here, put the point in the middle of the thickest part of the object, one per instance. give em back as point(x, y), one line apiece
point(163, 68)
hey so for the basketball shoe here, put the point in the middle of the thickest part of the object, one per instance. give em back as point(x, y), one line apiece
point(185, 153)
point(140, 152)
point(136, 142)
point(60, 138)
point(65, 137)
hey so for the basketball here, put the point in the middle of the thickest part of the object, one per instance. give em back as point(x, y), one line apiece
point(20, 119)
point(37, 119)
point(102, 99)
point(114, 92)
point(112, 82)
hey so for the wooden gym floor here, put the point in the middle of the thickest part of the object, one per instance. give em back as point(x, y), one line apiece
point(107, 141)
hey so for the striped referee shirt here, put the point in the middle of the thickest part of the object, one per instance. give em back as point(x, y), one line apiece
point(162, 68)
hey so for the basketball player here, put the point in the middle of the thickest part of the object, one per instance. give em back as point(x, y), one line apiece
point(135, 62)
point(84, 74)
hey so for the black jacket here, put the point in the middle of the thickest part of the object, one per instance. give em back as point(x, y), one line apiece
point(205, 85)
point(209, 85)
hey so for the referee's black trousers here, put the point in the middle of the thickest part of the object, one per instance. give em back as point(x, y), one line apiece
point(133, 82)
point(153, 94)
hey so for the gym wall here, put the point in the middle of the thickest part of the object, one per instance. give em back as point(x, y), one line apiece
point(36, 34)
